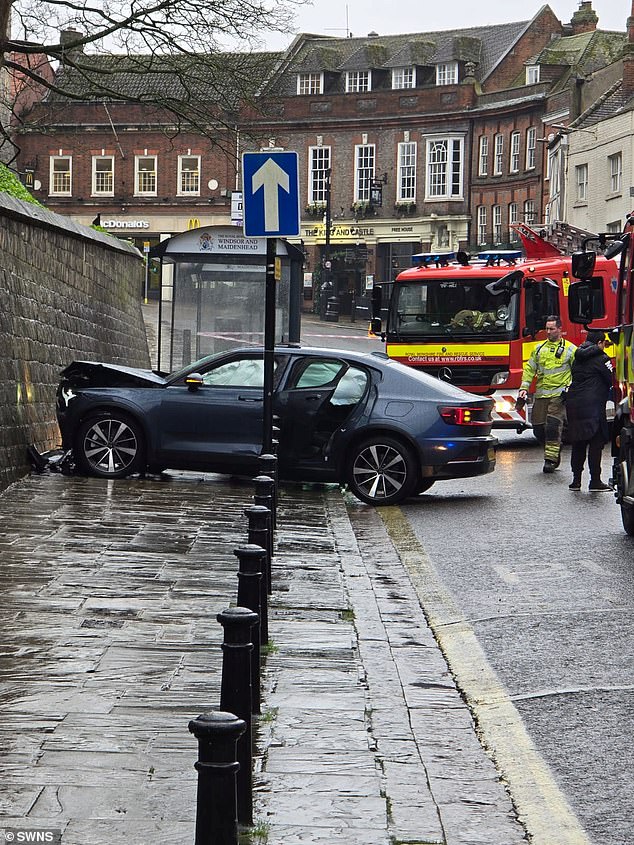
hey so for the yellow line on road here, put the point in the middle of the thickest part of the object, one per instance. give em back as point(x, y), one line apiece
point(541, 806)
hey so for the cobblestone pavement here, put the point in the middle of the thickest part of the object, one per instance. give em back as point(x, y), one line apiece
point(110, 645)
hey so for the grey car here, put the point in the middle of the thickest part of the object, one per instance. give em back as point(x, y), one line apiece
point(384, 429)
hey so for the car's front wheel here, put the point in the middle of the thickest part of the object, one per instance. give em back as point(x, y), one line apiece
point(110, 445)
point(382, 471)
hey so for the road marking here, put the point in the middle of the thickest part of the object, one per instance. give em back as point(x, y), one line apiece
point(541, 806)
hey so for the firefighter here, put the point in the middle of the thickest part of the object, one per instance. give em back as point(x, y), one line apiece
point(550, 364)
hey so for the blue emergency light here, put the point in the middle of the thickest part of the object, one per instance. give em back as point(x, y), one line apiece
point(440, 259)
point(495, 257)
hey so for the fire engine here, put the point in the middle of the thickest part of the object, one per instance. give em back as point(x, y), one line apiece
point(474, 323)
point(584, 307)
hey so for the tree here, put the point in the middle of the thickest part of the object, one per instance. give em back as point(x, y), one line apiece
point(171, 56)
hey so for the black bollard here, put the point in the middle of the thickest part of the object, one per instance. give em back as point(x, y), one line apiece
point(235, 695)
point(263, 495)
point(268, 466)
point(251, 562)
point(216, 800)
point(259, 529)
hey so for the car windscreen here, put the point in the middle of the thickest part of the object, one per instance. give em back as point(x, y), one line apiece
point(456, 307)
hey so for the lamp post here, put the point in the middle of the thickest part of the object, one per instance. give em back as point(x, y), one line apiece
point(326, 286)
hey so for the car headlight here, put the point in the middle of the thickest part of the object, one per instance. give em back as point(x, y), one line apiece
point(500, 378)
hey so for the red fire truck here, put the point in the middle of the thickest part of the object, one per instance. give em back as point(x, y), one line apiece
point(584, 307)
point(474, 323)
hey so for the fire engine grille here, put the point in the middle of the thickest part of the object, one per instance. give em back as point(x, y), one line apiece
point(464, 376)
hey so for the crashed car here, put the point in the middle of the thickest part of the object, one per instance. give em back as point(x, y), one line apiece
point(384, 429)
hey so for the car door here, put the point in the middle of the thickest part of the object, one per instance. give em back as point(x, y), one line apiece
point(319, 394)
point(218, 424)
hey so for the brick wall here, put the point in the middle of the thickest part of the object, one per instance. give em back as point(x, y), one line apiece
point(66, 292)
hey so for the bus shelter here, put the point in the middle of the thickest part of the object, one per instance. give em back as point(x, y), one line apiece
point(212, 293)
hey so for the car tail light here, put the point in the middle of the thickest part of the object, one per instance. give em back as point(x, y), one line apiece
point(465, 415)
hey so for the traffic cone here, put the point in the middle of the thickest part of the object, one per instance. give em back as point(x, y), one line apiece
point(370, 332)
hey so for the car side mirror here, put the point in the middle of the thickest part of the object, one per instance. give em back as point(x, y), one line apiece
point(194, 381)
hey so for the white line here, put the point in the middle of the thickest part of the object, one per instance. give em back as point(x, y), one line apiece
point(540, 804)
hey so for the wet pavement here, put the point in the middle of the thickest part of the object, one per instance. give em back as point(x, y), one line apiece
point(110, 645)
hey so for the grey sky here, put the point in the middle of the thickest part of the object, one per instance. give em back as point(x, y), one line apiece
point(333, 17)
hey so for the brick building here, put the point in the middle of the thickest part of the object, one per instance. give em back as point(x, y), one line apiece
point(424, 141)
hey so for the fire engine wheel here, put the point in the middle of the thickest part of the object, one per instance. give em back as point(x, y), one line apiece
point(382, 471)
point(110, 445)
point(627, 517)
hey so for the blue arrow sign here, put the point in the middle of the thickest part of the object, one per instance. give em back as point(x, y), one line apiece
point(270, 186)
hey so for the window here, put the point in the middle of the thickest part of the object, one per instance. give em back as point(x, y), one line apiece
point(513, 236)
point(103, 175)
point(61, 175)
point(530, 216)
point(531, 141)
point(447, 73)
point(581, 179)
point(145, 175)
point(403, 77)
point(444, 168)
point(358, 81)
point(189, 175)
point(498, 160)
point(615, 164)
point(310, 83)
point(515, 152)
point(614, 228)
point(483, 166)
point(363, 171)
point(406, 187)
point(497, 224)
point(482, 225)
point(532, 74)
point(318, 173)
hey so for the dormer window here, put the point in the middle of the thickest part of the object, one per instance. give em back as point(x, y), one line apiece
point(447, 73)
point(358, 81)
point(403, 77)
point(532, 74)
point(310, 83)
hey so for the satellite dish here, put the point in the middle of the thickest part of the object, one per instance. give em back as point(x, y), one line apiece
point(212, 184)
point(37, 185)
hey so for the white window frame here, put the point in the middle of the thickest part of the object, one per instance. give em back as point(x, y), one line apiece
point(447, 73)
point(310, 83)
point(483, 156)
point(514, 158)
point(512, 210)
point(448, 173)
point(139, 189)
point(319, 163)
point(61, 180)
point(531, 145)
point(406, 169)
point(498, 155)
point(615, 172)
point(497, 224)
point(183, 178)
point(364, 169)
point(581, 181)
point(403, 77)
point(358, 81)
point(532, 74)
point(482, 224)
point(102, 180)
point(530, 212)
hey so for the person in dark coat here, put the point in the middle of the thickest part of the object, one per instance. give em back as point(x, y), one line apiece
point(585, 409)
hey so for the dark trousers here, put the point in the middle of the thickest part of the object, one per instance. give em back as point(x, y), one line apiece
point(593, 448)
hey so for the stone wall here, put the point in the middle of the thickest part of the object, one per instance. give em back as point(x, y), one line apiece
point(66, 292)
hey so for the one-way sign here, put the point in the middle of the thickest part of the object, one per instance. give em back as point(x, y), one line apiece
point(270, 185)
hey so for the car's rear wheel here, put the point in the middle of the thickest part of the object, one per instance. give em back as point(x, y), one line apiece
point(110, 445)
point(382, 471)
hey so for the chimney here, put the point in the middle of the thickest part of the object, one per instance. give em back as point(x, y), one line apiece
point(584, 19)
point(67, 38)
point(628, 59)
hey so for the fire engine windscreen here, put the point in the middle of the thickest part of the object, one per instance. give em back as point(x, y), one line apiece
point(460, 308)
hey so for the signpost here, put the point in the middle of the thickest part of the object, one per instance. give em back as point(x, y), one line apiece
point(270, 188)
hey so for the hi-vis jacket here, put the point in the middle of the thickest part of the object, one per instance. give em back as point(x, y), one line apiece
point(551, 363)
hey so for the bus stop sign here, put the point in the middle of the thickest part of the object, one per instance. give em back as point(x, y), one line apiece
point(270, 185)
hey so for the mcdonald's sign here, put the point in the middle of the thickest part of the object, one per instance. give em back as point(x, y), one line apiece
point(193, 223)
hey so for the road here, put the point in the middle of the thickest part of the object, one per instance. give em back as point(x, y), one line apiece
point(543, 577)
